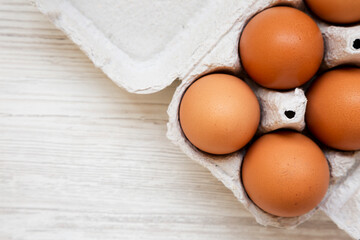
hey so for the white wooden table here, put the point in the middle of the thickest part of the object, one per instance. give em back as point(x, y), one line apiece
point(81, 158)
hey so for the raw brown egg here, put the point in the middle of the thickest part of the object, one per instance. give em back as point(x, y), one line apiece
point(336, 11)
point(333, 108)
point(219, 113)
point(281, 48)
point(285, 174)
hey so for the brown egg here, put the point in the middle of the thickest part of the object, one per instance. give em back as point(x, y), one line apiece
point(281, 48)
point(336, 11)
point(219, 113)
point(333, 108)
point(285, 174)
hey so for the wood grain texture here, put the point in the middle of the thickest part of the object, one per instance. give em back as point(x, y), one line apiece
point(81, 158)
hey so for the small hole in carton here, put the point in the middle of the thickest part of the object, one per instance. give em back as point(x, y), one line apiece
point(356, 44)
point(289, 114)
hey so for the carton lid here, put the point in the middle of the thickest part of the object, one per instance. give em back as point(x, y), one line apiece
point(143, 46)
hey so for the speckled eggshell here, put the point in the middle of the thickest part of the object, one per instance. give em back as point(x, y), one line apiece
point(285, 174)
point(281, 48)
point(336, 11)
point(333, 109)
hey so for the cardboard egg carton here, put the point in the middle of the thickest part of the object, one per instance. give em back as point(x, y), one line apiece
point(144, 46)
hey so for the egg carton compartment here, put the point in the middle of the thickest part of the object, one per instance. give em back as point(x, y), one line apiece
point(169, 40)
point(279, 109)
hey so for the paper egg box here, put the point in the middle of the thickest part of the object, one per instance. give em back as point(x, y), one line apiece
point(143, 46)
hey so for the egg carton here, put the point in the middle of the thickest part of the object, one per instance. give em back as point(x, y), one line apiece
point(165, 41)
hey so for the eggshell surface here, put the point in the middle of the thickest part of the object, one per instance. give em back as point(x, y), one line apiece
point(219, 113)
point(333, 108)
point(285, 174)
point(281, 48)
point(336, 11)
